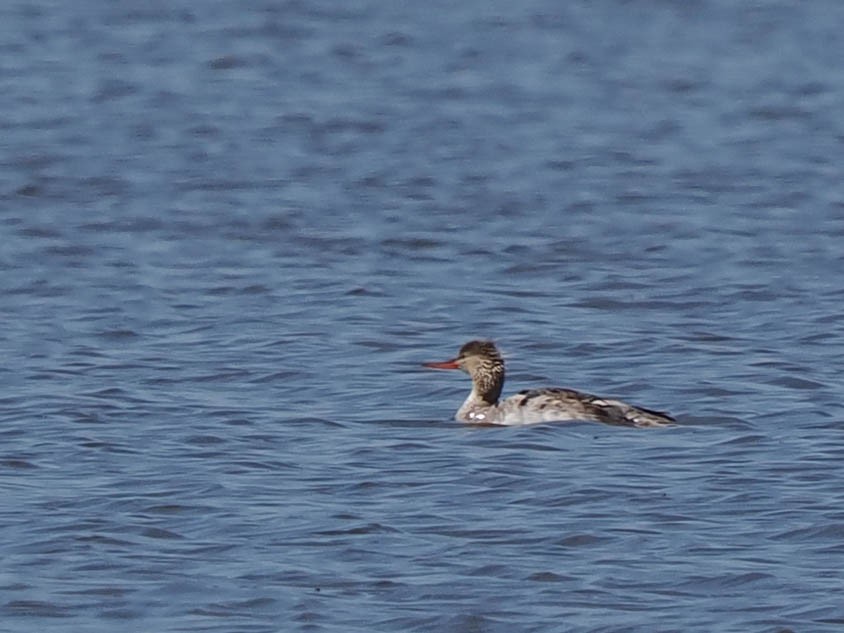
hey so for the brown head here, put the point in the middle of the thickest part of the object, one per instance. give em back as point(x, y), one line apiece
point(481, 360)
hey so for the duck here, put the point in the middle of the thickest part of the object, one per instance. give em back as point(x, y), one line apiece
point(483, 362)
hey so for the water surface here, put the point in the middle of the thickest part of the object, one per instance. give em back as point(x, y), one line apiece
point(231, 234)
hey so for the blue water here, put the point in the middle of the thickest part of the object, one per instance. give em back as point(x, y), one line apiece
point(230, 233)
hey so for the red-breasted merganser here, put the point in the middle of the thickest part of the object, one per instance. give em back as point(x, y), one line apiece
point(481, 360)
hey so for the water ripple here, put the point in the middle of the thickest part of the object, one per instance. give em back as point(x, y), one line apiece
point(231, 238)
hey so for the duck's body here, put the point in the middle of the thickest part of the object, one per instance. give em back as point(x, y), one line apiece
point(481, 360)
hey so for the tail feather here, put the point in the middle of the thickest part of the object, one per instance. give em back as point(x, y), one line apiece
point(641, 417)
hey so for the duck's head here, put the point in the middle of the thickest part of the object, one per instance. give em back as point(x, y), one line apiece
point(482, 361)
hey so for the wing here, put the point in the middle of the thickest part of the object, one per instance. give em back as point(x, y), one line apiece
point(569, 404)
